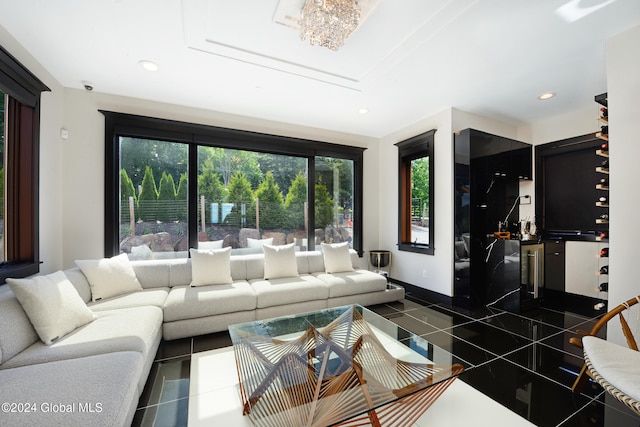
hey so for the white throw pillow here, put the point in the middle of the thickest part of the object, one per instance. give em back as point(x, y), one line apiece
point(280, 261)
point(336, 257)
point(109, 277)
point(52, 304)
point(255, 243)
point(211, 267)
point(216, 244)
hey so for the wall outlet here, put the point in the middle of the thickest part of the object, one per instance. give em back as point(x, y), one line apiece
point(525, 200)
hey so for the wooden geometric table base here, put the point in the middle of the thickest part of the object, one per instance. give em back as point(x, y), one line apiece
point(340, 374)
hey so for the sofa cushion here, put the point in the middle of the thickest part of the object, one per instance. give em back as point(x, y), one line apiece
point(617, 364)
point(352, 282)
point(153, 273)
point(280, 261)
point(109, 276)
point(129, 329)
point(216, 244)
point(102, 391)
point(336, 257)
point(16, 331)
point(288, 290)
point(186, 302)
point(80, 282)
point(258, 243)
point(153, 296)
point(52, 304)
point(211, 267)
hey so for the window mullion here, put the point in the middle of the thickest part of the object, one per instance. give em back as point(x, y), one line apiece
point(193, 201)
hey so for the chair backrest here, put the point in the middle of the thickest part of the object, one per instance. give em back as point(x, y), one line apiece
point(618, 311)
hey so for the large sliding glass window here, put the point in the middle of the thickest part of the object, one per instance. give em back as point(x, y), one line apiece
point(172, 186)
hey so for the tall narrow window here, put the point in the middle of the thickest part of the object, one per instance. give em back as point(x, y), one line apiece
point(20, 94)
point(415, 205)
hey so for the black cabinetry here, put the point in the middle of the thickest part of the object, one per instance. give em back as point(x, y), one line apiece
point(488, 169)
point(554, 261)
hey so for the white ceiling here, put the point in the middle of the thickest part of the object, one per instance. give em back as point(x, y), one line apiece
point(408, 59)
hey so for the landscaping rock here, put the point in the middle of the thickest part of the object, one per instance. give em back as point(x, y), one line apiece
point(162, 242)
point(278, 238)
point(129, 242)
point(248, 233)
point(229, 240)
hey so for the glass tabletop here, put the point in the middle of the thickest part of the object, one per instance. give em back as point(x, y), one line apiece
point(337, 366)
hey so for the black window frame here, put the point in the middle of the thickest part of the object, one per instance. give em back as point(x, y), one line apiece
point(135, 126)
point(22, 237)
point(410, 149)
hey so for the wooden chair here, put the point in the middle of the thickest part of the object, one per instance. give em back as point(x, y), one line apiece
point(624, 361)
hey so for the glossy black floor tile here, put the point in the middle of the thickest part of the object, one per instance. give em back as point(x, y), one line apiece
point(174, 348)
point(523, 326)
point(463, 350)
point(562, 320)
point(211, 341)
point(439, 317)
point(561, 342)
point(494, 340)
point(548, 362)
point(543, 402)
point(411, 324)
point(405, 304)
point(474, 313)
point(605, 411)
point(168, 381)
point(383, 309)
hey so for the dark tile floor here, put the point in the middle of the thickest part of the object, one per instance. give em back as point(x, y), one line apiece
point(524, 362)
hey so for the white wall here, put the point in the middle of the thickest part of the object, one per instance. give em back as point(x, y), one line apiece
point(623, 69)
point(83, 178)
point(426, 271)
point(51, 161)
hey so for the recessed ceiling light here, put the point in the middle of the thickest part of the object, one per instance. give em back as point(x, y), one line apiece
point(546, 95)
point(363, 111)
point(148, 65)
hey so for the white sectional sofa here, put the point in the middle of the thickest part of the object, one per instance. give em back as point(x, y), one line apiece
point(95, 374)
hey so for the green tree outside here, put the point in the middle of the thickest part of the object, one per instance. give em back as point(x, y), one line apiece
point(420, 183)
point(126, 190)
point(161, 156)
point(294, 202)
point(324, 206)
point(167, 198)
point(147, 200)
point(211, 188)
point(182, 196)
point(271, 207)
point(240, 193)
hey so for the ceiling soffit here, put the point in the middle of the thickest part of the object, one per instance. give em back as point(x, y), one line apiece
point(265, 34)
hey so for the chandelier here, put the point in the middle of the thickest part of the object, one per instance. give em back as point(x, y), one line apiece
point(328, 22)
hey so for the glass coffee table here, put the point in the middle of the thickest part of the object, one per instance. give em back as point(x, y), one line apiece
point(338, 366)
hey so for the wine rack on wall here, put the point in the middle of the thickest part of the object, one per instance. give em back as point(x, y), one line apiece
point(602, 222)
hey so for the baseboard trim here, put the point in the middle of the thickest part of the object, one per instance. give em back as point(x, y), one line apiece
point(423, 294)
